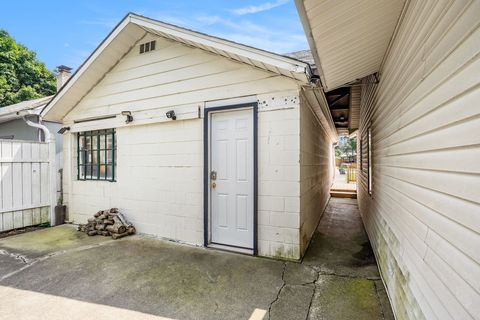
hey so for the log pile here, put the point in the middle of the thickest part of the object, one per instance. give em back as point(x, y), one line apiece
point(108, 223)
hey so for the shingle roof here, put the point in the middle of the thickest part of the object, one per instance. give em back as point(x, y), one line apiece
point(10, 112)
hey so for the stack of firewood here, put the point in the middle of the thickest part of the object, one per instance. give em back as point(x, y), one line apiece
point(108, 223)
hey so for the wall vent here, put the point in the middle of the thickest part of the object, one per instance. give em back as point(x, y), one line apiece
point(146, 47)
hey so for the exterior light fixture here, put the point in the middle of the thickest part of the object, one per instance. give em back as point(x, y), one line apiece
point(171, 115)
point(63, 130)
point(129, 116)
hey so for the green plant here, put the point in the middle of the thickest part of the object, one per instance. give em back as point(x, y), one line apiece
point(45, 225)
point(22, 76)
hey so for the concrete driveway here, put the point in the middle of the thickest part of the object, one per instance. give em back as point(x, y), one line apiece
point(59, 273)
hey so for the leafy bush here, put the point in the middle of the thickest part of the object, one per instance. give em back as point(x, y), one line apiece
point(22, 76)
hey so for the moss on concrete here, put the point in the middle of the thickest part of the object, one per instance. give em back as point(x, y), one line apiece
point(160, 278)
point(48, 240)
point(345, 298)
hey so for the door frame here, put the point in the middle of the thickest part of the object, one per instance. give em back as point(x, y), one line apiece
point(206, 169)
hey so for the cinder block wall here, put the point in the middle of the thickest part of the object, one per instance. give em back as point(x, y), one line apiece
point(316, 174)
point(160, 166)
point(279, 182)
point(159, 182)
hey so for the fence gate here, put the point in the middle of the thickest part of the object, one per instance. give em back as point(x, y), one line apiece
point(27, 183)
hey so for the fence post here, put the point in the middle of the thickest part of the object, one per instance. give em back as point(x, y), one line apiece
point(50, 140)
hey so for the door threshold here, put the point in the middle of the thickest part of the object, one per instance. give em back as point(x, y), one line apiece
point(230, 248)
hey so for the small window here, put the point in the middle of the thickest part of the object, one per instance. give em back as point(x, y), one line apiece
point(366, 161)
point(96, 155)
point(370, 171)
point(147, 47)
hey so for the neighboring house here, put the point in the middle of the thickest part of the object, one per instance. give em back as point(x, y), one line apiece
point(416, 69)
point(197, 139)
point(14, 128)
point(12, 125)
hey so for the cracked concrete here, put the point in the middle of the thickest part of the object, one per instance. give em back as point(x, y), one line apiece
point(15, 256)
point(275, 301)
point(294, 298)
point(338, 278)
point(348, 285)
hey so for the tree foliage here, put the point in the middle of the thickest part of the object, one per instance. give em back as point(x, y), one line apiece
point(346, 147)
point(22, 76)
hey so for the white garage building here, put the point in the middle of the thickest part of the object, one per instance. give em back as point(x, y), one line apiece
point(197, 139)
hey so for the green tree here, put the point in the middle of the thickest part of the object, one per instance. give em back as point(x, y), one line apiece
point(352, 146)
point(22, 76)
point(347, 148)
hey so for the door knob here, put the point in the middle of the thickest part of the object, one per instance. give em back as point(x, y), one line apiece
point(214, 185)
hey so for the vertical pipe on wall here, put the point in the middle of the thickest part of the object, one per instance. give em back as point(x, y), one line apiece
point(50, 140)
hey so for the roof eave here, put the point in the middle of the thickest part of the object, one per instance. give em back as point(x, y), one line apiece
point(263, 56)
point(84, 66)
point(311, 41)
point(296, 69)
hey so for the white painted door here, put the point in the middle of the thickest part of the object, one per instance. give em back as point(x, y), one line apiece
point(231, 178)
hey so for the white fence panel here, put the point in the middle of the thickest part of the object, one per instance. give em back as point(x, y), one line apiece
point(27, 190)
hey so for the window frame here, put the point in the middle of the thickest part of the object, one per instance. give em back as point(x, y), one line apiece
point(97, 151)
point(369, 160)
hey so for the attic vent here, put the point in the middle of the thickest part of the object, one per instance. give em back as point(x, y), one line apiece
point(146, 47)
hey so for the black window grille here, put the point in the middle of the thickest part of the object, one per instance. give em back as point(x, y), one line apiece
point(96, 155)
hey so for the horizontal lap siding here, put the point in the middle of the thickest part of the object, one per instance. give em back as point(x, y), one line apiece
point(173, 75)
point(424, 215)
point(160, 165)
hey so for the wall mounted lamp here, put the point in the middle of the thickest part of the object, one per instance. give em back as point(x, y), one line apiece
point(171, 115)
point(129, 116)
point(63, 130)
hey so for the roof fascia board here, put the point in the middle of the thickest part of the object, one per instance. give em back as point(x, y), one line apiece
point(322, 101)
point(311, 41)
point(18, 114)
point(325, 118)
point(104, 44)
point(279, 61)
point(286, 63)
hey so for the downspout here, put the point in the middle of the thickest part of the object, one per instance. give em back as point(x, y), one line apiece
point(50, 140)
point(48, 136)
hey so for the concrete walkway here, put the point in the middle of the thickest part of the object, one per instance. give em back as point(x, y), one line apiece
point(340, 182)
point(66, 275)
point(348, 284)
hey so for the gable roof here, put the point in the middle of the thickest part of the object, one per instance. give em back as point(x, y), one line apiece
point(14, 111)
point(348, 39)
point(133, 28)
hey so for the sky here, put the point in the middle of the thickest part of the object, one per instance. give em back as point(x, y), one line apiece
point(66, 32)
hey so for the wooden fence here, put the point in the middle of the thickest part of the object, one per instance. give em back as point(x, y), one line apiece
point(27, 183)
point(352, 173)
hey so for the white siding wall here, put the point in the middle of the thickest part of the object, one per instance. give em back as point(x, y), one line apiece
point(423, 218)
point(316, 171)
point(160, 165)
